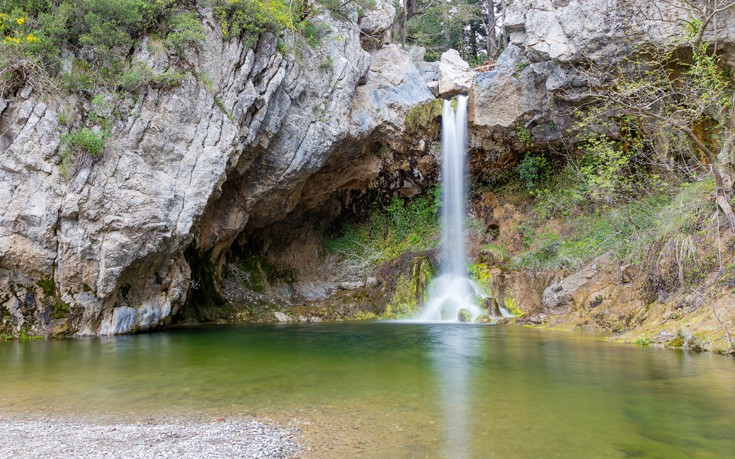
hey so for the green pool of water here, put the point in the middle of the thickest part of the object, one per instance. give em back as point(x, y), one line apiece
point(407, 390)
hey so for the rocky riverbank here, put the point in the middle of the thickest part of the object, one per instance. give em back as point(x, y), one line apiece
point(152, 438)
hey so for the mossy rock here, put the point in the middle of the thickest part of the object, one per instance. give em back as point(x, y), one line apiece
point(409, 289)
point(48, 286)
point(421, 117)
point(464, 316)
point(483, 319)
point(61, 308)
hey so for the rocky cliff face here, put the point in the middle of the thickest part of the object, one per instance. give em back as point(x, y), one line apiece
point(532, 92)
point(253, 139)
point(536, 83)
point(247, 137)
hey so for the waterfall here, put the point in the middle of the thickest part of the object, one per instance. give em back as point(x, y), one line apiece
point(453, 296)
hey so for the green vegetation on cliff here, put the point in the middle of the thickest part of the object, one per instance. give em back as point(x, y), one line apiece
point(652, 163)
point(389, 230)
point(87, 44)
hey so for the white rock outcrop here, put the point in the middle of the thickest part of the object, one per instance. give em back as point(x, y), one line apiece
point(237, 143)
point(455, 75)
point(535, 84)
point(378, 20)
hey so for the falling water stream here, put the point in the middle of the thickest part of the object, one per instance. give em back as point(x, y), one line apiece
point(453, 296)
point(395, 389)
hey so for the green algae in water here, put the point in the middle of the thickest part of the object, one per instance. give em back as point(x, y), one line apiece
point(515, 392)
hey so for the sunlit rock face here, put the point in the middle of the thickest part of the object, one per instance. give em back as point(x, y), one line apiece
point(101, 250)
point(377, 22)
point(536, 86)
point(455, 75)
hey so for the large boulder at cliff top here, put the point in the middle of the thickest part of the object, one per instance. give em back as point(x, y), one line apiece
point(394, 85)
point(455, 75)
point(379, 19)
point(507, 95)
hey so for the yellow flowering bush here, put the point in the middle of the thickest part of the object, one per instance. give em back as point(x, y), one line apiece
point(15, 29)
point(238, 17)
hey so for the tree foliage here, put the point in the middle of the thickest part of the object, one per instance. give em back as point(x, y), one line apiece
point(97, 37)
point(679, 98)
point(473, 27)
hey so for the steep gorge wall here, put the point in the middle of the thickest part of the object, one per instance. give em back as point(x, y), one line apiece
point(102, 251)
point(537, 84)
point(252, 140)
point(534, 90)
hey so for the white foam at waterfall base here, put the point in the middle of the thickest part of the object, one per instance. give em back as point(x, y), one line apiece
point(448, 295)
point(453, 296)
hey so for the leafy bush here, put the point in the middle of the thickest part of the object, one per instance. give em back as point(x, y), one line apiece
point(100, 33)
point(563, 194)
point(615, 172)
point(524, 135)
point(103, 31)
point(533, 170)
point(389, 231)
point(85, 140)
point(251, 17)
point(626, 231)
point(140, 76)
point(311, 31)
point(186, 30)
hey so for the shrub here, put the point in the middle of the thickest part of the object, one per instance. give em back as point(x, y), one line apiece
point(139, 76)
point(630, 232)
point(186, 30)
point(388, 231)
point(85, 140)
point(251, 17)
point(101, 34)
point(103, 31)
point(327, 64)
point(611, 170)
point(311, 31)
point(562, 195)
point(533, 170)
point(524, 136)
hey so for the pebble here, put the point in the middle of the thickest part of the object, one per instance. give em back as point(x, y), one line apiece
point(54, 438)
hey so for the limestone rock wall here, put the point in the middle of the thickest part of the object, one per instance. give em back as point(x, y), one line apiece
point(241, 141)
point(535, 84)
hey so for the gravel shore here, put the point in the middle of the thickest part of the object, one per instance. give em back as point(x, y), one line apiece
point(155, 439)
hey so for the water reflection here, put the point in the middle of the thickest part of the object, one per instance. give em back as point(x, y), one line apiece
point(433, 390)
point(454, 356)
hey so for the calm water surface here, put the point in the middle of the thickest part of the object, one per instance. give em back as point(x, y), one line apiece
point(415, 390)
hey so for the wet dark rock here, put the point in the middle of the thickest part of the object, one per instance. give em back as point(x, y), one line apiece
point(464, 315)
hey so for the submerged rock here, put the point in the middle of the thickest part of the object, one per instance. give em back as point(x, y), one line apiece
point(464, 316)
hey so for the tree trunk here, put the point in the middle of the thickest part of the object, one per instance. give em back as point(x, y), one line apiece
point(491, 41)
point(472, 43)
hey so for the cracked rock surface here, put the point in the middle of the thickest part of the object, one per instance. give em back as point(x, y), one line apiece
point(99, 248)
